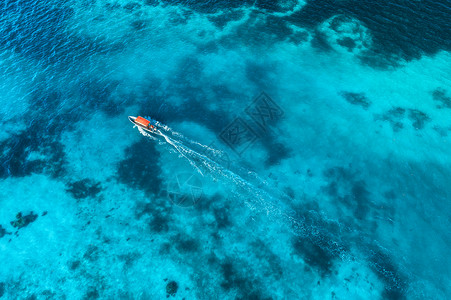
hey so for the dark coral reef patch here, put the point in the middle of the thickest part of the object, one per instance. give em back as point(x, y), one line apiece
point(440, 95)
point(418, 118)
point(358, 99)
point(24, 220)
point(171, 288)
point(423, 28)
point(84, 188)
point(140, 169)
point(397, 115)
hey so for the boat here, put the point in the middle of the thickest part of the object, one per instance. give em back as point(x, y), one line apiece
point(149, 126)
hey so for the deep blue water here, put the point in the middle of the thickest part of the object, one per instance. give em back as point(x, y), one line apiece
point(305, 153)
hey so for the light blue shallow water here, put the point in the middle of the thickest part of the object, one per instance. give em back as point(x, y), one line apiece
point(305, 151)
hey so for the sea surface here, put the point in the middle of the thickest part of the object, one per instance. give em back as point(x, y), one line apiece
point(305, 149)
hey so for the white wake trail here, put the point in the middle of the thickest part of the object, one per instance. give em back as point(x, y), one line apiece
point(181, 138)
point(182, 150)
point(257, 198)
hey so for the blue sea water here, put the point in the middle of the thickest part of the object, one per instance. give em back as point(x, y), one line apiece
point(304, 154)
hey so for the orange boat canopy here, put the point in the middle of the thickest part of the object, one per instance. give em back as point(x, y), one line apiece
point(142, 121)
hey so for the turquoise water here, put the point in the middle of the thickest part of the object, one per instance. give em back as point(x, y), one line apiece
point(304, 151)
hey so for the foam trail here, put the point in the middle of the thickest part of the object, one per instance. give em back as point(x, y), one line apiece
point(258, 199)
point(145, 133)
point(181, 149)
point(184, 139)
point(177, 146)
